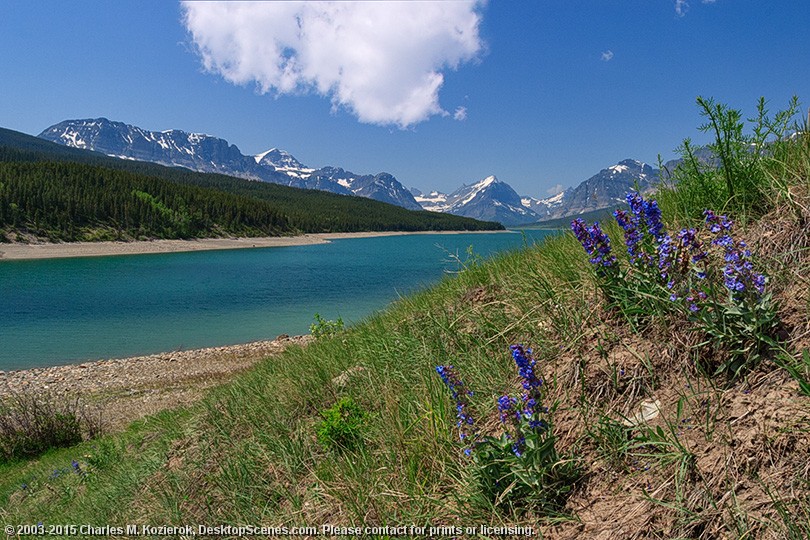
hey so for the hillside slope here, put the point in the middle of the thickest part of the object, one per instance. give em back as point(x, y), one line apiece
point(658, 436)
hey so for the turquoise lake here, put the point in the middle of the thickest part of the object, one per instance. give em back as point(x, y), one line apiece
point(59, 311)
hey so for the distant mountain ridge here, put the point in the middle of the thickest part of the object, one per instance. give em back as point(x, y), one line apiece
point(490, 200)
point(172, 147)
point(206, 153)
point(56, 192)
point(493, 200)
point(606, 188)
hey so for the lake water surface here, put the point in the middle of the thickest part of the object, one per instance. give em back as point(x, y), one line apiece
point(58, 311)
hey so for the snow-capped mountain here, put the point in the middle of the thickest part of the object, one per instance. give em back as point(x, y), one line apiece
point(608, 187)
point(544, 207)
point(603, 190)
point(284, 162)
point(494, 200)
point(381, 187)
point(435, 201)
point(490, 200)
point(173, 147)
point(205, 153)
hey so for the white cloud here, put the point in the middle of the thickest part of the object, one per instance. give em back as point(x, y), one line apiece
point(555, 189)
point(682, 6)
point(607, 56)
point(460, 114)
point(382, 61)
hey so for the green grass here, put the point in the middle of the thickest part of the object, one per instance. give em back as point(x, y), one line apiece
point(249, 452)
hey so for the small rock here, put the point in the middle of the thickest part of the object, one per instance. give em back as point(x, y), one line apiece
point(342, 379)
point(649, 410)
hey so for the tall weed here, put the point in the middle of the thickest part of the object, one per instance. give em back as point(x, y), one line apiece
point(31, 424)
point(732, 174)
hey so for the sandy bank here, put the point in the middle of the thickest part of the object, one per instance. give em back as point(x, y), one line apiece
point(97, 249)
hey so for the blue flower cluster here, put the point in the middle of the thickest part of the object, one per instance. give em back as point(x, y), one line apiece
point(595, 242)
point(515, 411)
point(643, 219)
point(676, 259)
point(521, 415)
point(677, 256)
point(507, 407)
point(526, 364)
point(739, 276)
point(75, 467)
point(461, 396)
point(510, 413)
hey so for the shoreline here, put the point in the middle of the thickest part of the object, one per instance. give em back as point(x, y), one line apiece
point(126, 389)
point(144, 247)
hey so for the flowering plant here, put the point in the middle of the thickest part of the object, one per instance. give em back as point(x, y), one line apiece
point(521, 465)
point(683, 273)
point(741, 317)
point(635, 291)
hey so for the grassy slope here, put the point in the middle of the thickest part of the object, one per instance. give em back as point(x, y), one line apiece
point(731, 461)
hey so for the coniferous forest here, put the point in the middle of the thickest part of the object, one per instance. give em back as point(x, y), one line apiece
point(76, 195)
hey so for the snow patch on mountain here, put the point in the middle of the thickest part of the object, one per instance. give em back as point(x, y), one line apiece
point(204, 153)
point(489, 199)
point(435, 201)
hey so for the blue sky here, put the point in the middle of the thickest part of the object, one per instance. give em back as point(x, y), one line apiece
point(538, 93)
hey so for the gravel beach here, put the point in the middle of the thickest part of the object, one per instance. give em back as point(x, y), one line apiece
point(131, 388)
point(47, 250)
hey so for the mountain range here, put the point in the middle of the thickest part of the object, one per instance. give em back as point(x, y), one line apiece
point(205, 153)
point(58, 193)
point(602, 190)
point(489, 199)
point(493, 200)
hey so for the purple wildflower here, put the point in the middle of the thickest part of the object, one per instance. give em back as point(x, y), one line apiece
point(524, 412)
point(636, 203)
point(517, 446)
point(652, 215)
point(525, 364)
point(632, 235)
point(717, 223)
point(678, 256)
point(507, 406)
point(738, 273)
point(461, 396)
point(595, 242)
point(642, 221)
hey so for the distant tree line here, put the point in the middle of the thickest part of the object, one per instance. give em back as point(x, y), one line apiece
point(67, 194)
point(72, 201)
